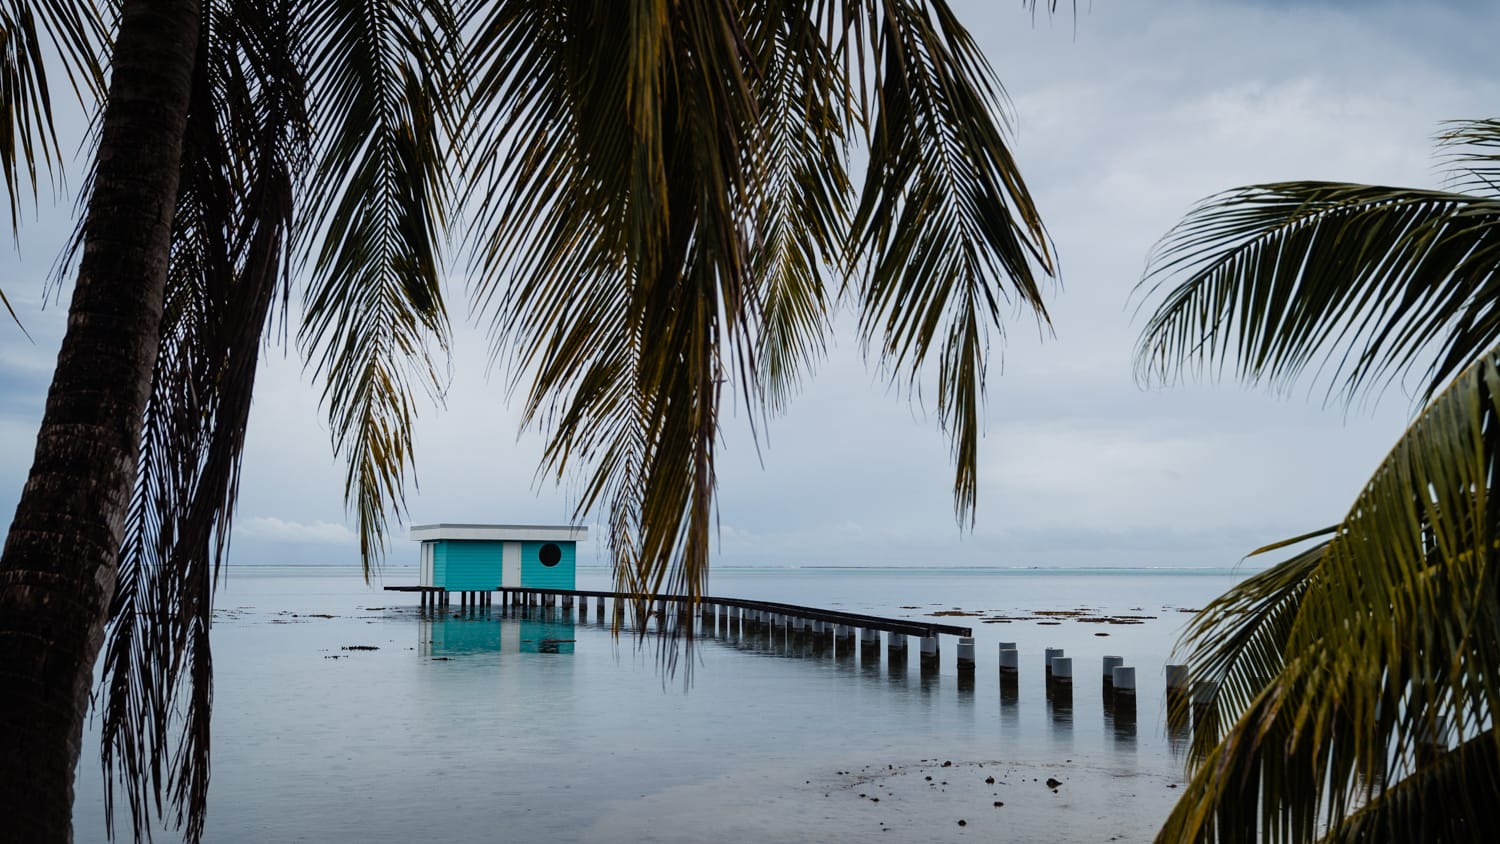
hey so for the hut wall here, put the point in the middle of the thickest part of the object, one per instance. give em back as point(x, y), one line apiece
point(562, 574)
point(466, 565)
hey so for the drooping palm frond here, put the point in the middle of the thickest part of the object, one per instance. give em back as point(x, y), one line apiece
point(244, 150)
point(623, 285)
point(806, 111)
point(377, 204)
point(660, 199)
point(947, 225)
point(27, 136)
point(1451, 799)
point(77, 36)
point(1388, 636)
point(1368, 282)
point(1236, 644)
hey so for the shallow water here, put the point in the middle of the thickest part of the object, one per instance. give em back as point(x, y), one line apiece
point(490, 725)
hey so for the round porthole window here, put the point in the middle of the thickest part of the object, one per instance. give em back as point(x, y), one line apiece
point(550, 555)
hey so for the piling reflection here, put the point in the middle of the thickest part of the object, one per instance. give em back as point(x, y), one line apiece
point(1179, 725)
point(1060, 705)
point(1123, 718)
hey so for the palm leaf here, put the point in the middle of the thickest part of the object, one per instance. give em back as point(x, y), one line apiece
point(1391, 640)
point(944, 219)
point(77, 37)
point(660, 193)
point(1236, 644)
point(1451, 799)
point(379, 195)
point(27, 134)
point(1366, 281)
point(1471, 149)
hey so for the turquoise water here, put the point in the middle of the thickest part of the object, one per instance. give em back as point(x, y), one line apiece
point(550, 729)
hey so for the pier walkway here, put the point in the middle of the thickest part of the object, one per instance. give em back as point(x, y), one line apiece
point(737, 610)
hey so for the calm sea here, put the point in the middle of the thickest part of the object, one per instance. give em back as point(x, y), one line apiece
point(474, 728)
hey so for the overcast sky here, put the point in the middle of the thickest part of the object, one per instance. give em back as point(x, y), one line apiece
point(1125, 116)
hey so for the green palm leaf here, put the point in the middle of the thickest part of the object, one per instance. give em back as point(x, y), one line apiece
point(379, 196)
point(660, 198)
point(945, 220)
point(1371, 281)
point(1386, 636)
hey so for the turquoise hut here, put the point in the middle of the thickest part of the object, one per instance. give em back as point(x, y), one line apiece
point(479, 558)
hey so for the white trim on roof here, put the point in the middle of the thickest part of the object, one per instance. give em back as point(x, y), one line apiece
point(500, 533)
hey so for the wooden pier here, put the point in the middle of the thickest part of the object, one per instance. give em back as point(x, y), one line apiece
point(436, 596)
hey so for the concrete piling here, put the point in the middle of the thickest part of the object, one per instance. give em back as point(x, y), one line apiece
point(869, 646)
point(1010, 658)
point(1062, 671)
point(895, 650)
point(930, 657)
point(1205, 715)
point(1110, 664)
point(843, 636)
point(1178, 686)
point(966, 654)
point(1123, 706)
point(1048, 655)
point(1060, 690)
point(1010, 673)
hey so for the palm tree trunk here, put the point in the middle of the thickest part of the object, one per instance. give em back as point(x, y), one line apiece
point(58, 568)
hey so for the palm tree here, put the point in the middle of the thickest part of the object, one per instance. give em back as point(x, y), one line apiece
point(1352, 688)
point(662, 205)
point(196, 200)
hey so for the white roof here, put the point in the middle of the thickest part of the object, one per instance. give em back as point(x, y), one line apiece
point(496, 533)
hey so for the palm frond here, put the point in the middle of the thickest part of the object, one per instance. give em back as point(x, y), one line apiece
point(380, 193)
point(1366, 281)
point(945, 221)
point(660, 194)
point(1236, 644)
point(1450, 799)
point(1390, 643)
point(77, 37)
point(801, 224)
point(1471, 150)
point(245, 146)
point(622, 289)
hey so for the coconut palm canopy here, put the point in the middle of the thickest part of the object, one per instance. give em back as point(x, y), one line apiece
point(1353, 687)
point(655, 205)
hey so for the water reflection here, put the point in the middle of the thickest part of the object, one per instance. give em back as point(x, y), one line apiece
point(485, 631)
point(1122, 719)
